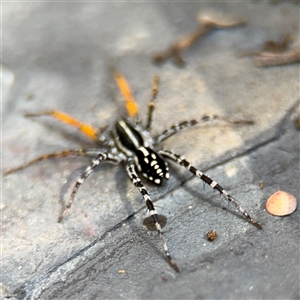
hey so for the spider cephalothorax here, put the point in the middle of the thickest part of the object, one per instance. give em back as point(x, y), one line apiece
point(130, 143)
point(148, 162)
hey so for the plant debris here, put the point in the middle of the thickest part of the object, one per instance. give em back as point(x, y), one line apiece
point(206, 24)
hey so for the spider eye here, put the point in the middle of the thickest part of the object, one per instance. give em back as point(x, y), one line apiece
point(151, 165)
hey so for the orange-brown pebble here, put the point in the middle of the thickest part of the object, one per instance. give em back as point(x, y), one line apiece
point(281, 204)
point(211, 235)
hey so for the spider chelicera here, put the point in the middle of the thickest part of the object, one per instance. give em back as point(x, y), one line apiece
point(129, 142)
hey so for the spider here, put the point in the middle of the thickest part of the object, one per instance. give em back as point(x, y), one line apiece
point(129, 142)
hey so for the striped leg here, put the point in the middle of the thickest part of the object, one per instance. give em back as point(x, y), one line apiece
point(181, 161)
point(66, 153)
point(151, 104)
point(130, 103)
point(95, 163)
point(204, 119)
point(137, 182)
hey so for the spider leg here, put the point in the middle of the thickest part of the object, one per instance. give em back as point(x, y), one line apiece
point(151, 105)
point(89, 170)
point(185, 124)
point(137, 182)
point(131, 105)
point(86, 129)
point(181, 161)
point(65, 153)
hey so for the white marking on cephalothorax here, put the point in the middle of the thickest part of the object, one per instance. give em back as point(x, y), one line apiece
point(157, 181)
point(153, 156)
point(129, 133)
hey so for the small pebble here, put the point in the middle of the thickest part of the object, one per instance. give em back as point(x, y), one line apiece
point(211, 235)
point(281, 204)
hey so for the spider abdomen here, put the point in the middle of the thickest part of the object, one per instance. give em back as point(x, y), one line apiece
point(151, 165)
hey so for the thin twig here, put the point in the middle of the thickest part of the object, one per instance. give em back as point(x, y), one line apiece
point(206, 24)
point(266, 59)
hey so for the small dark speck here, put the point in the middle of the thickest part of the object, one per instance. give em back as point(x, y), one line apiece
point(29, 97)
point(261, 184)
point(297, 123)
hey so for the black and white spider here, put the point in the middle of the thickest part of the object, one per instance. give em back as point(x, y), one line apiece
point(130, 143)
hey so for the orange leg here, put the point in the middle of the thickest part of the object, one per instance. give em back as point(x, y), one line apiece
point(87, 129)
point(131, 106)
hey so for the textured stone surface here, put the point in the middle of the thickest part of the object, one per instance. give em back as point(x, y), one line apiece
point(61, 55)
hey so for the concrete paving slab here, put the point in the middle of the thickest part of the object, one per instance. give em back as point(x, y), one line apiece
point(60, 56)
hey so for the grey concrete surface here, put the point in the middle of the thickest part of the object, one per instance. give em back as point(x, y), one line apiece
point(61, 55)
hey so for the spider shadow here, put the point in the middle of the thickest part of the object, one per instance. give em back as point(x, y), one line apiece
point(121, 178)
point(135, 224)
point(210, 198)
point(178, 177)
